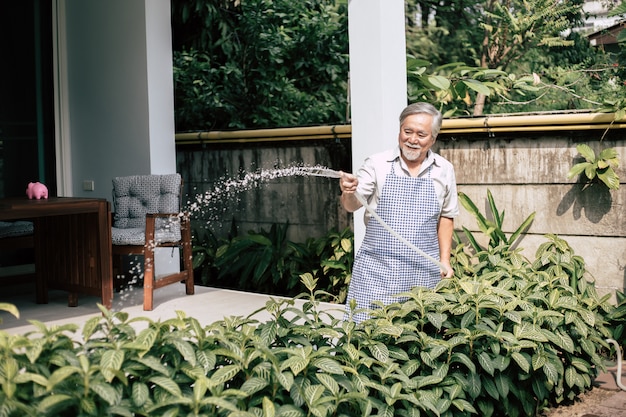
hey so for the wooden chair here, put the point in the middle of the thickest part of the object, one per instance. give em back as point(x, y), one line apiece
point(147, 215)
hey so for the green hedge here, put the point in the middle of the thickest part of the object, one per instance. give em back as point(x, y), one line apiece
point(505, 337)
point(501, 338)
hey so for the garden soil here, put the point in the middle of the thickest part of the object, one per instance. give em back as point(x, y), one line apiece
point(606, 399)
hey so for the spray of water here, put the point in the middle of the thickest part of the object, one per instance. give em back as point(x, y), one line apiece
point(227, 188)
point(254, 179)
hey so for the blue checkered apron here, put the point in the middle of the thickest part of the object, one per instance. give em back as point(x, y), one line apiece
point(384, 266)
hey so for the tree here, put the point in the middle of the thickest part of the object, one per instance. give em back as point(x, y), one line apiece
point(507, 30)
point(259, 63)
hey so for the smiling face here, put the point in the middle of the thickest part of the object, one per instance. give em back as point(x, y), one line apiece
point(415, 138)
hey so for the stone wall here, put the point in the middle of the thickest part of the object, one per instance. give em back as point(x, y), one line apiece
point(224, 171)
point(525, 173)
point(528, 173)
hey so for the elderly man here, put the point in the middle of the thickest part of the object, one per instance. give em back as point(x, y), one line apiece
point(413, 190)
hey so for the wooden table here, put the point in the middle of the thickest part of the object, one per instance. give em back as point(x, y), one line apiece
point(72, 244)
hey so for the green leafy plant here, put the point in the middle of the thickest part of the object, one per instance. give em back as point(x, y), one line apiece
point(556, 257)
point(505, 342)
point(600, 167)
point(491, 228)
point(267, 262)
point(10, 308)
point(504, 336)
point(259, 261)
point(617, 319)
point(329, 259)
point(455, 85)
point(204, 249)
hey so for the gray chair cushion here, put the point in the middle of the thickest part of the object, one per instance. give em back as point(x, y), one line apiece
point(17, 228)
point(137, 195)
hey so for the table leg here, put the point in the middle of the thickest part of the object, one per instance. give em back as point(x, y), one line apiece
point(41, 284)
point(105, 253)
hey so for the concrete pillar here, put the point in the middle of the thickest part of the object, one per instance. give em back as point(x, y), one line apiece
point(116, 90)
point(377, 81)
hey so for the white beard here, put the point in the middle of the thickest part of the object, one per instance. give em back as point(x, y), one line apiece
point(411, 154)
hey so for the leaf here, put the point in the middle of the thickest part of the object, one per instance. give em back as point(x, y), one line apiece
point(269, 410)
point(428, 380)
point(154, 364)
point(485, 362)
point(50, 402)
point(185, 349)
point(562, 340)
point(436, 319)
point(551, 372)
point(253, 385)
point(295, 363)
point(285, 379)
point(477, 86)
point(463, 405)
point(312, 393)
point(107, 392)
point(503, 382)
point(577, 169)
point(521, 361)
point(225, 374)
point(10, 308)
point(60, 375)
point(380, 352)
point(490, 386)
point(538, 361)
point(111, 361)
point(147, 337)
point(609, 178)
point(346, 245)
point(439, 82)
point(465, 360)
point(328, 365)
point(329, 382)
point(522, 228)
point(586, 151)
point(167, 384)
point(140, 394)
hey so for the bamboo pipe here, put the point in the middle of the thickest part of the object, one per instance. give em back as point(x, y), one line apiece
point(486, 124)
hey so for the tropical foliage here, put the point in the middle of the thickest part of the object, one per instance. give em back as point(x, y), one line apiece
point(597, 168)
point(500, 339)
point(504, 336)
point(275, 63)
point(525, 38)
point(267, 262)
point(259, 63)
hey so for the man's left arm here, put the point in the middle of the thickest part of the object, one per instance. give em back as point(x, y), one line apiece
point(445, 229)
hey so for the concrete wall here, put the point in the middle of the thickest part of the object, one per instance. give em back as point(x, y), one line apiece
point(528, 174)
point(309, 204)
point(525, 172)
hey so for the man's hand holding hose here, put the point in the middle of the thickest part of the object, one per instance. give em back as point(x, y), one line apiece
point(348, 184)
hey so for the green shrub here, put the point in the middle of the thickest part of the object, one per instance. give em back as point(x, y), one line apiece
point(266, 262)
point(504, 337)
point(505, 342)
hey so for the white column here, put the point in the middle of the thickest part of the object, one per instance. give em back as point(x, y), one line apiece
point(377, 81)
point(160, 79)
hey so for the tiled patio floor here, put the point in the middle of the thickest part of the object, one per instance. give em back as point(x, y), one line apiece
point(207, 305)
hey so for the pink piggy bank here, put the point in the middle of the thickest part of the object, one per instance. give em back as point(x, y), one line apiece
point(36, 190)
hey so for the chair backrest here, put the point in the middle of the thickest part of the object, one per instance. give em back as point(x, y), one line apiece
point(137, 195)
